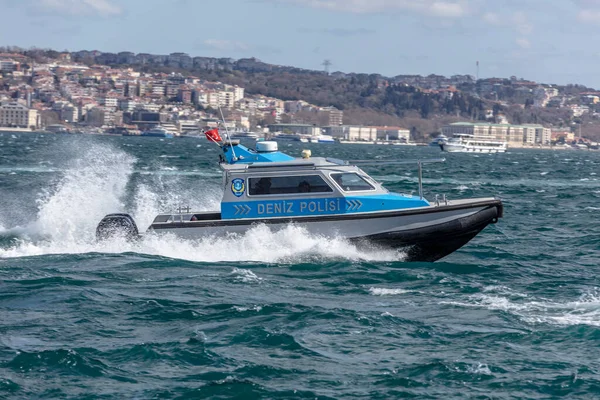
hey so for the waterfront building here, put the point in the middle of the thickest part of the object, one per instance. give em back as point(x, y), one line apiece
point(185, 126)
point(354, 133)
point(301, 129)
point(18, 115)
point(393, 133)
point(97, 116)
point(70, 114)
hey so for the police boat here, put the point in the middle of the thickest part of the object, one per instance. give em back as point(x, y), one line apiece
point(326, 196)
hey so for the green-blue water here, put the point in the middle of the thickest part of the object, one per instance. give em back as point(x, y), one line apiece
point(514, 314)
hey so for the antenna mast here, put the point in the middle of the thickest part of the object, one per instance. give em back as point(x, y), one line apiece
point(227, 131)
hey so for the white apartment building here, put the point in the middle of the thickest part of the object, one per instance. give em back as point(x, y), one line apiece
point(159, 89)
point(393, 133)
point(185, 126)
point(578, 111)
point(227, 99)
point(301, 129)
point(353, 133)
point(238, 93)
point(18, 115)
point(151, 107)
point(127, 105)
point(9, 65)
point(109, 102)
point(213, 99)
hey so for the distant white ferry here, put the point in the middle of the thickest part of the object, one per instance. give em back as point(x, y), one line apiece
point(159, 131)
point(322, 139)
point(467, 143)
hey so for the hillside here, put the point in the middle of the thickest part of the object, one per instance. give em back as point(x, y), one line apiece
point(422, 104)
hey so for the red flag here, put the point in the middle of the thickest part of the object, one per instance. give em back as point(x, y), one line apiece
point(213, 135)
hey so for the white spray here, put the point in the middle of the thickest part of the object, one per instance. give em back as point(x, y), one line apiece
point(96, 184)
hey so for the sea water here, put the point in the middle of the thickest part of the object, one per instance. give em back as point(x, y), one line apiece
point(513, 314)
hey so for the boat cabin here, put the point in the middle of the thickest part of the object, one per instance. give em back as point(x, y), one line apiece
point(265, 183)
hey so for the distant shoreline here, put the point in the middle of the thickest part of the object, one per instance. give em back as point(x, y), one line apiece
point(412, 144)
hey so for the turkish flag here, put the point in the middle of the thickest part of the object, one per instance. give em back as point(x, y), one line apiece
point(213, 135)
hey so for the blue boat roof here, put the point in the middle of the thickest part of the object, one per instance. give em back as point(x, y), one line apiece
point(239, 154)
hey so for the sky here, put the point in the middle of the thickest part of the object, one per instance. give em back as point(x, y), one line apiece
point(549, 41)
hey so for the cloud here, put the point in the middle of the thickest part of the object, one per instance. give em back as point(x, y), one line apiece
point(492, 18)
point(436, 8)
point(523, 43)
point(76, 7)
point(589, 16)
point(341, 32)
point(589, 11)
point(522, 23)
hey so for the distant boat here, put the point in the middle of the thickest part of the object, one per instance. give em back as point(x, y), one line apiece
point(57, 128)
point(121, 130)
point(467, 143)
point(438, 141)
point(322, 139)
point(159, 131)
point(287, 137)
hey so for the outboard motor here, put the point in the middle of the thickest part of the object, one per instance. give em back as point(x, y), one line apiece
point(117, 225)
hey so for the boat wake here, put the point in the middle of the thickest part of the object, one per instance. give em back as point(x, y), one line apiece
point(103, 180)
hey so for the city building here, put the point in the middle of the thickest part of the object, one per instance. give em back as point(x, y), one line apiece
point(70, 114)
point(18, 115)
point(393, 133)
point(9, 66)
point(109, 101)
point(188, 126)
point(227, 99)
point(127, 105)
point(352, 133)
point(333, 116)
point(184, 96)
point(301, 129)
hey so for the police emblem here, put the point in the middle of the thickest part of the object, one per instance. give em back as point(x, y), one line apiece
point(238, 187)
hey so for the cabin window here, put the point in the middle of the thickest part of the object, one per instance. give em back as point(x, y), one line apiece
point(288, 185)
point(351, 182)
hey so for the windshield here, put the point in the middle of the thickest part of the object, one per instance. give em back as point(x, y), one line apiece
point(351, 182)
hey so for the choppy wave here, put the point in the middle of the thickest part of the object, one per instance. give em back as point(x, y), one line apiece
point(285, 314)
point(583, 311)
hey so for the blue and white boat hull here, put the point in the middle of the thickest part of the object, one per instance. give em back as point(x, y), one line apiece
point(425, 233)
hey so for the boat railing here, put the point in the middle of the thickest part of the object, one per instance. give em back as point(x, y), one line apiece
point(419, 163)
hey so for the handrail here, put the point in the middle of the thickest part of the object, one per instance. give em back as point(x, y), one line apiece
point(391, 162)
